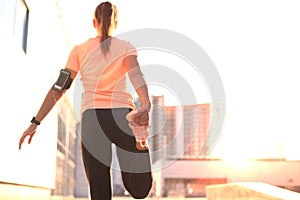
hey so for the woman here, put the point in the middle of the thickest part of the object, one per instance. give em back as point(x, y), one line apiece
point(103, 62)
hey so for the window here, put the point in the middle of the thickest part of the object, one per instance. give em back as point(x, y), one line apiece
point(21, 24)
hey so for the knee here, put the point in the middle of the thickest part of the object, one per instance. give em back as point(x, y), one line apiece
point(139, 196)
point(141, 191)
point(142, 194)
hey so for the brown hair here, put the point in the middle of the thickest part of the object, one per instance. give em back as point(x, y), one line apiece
point(103, 14)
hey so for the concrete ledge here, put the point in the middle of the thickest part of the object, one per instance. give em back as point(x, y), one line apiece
point(249, 190)
point(10, 191)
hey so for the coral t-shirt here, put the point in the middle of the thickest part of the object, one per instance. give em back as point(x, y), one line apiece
point(103, 76)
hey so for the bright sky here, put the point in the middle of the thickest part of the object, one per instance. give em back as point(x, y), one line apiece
point(255, 46)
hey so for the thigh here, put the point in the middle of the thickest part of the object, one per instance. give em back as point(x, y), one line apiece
point(98, 174)
point(134, 162)
point(94, 139)
point(136, 171)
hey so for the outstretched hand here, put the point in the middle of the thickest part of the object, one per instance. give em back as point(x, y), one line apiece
point(30, 131)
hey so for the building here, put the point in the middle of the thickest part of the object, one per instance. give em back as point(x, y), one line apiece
point(180, 136)
point(66, 150)
point(179, 131)
point(28, 46)
point(81, 189)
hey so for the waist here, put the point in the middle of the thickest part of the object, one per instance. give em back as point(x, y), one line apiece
point(107, 99)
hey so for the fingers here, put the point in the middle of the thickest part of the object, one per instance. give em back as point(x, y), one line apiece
point(30, 138)
point(140, 116)
point(24, 136)
point(142, 120)
point(20, 143)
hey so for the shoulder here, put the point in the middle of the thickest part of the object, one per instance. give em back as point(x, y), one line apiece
point(86, 43)
point(125, 43)
point(128, 48)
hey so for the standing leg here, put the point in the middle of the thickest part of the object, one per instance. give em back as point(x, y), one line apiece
point(98, 175)
point(96, 155)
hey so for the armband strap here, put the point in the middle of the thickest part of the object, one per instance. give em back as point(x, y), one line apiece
point(68, 83)
point(35, 121)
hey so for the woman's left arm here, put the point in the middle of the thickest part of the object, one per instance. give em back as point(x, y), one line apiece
point(50, 100)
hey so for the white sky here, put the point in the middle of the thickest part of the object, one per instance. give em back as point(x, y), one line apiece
point(255, 46)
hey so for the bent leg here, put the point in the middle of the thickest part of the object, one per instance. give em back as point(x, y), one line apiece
point(135, 164)
point(136, 172)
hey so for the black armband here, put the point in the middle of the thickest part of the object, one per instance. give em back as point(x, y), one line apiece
point(64, 80)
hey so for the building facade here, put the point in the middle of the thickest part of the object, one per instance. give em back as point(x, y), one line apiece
point(182, 145)
point(34, 47)
point(66, 150)
point(179, 131)
point(178, 135)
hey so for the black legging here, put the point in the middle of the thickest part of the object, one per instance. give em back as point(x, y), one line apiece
point(99, 129)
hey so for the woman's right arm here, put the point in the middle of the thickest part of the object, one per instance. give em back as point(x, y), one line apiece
point(139, 83)
point(50, 100)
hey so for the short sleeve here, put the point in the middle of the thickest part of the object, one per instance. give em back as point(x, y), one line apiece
point(73, 60)
point(130, 50)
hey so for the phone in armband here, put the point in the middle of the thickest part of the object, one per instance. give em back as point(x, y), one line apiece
point(64, 80)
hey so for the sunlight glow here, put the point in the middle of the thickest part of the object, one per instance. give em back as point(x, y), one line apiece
point(261, 118)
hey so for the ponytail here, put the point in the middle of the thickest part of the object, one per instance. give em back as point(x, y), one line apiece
point(103, 14)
